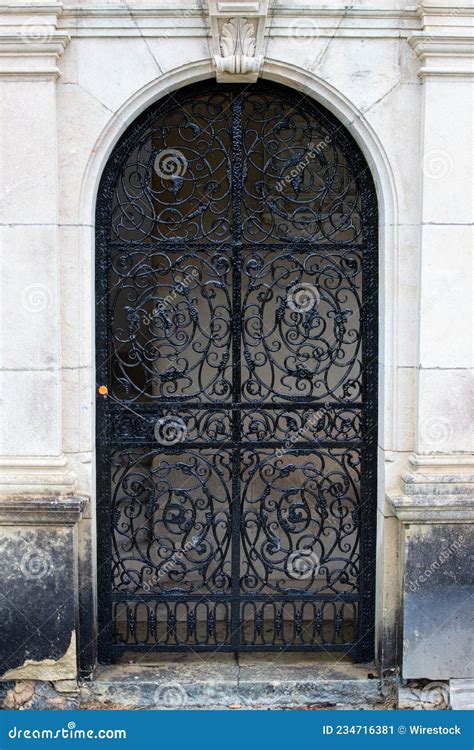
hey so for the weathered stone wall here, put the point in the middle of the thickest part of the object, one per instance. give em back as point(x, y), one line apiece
point(39, 591)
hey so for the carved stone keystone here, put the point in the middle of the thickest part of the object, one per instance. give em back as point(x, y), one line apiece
point(237, 31)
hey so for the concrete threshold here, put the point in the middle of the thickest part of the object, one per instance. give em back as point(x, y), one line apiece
point(221, 681)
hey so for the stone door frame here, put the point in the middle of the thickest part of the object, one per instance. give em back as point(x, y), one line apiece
point(387, 583)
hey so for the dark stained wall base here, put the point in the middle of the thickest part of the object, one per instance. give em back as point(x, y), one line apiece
point(438, 589)
point(39, 591)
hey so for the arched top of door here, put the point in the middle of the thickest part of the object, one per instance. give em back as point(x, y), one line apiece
point(216, 163)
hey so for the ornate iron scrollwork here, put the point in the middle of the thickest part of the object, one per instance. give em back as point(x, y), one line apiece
point(237, 336)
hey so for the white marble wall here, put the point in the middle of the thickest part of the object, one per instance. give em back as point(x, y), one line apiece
point(73, 78)
point(357, 65)
point(32, 449)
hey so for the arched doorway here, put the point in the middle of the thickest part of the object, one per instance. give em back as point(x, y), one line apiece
point(236, 363)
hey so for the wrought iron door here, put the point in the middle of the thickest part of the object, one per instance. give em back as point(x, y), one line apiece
point(236, 373)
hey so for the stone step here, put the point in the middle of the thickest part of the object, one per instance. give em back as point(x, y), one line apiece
point(223, 682)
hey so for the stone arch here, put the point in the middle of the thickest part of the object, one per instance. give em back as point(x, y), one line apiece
point(383, 177)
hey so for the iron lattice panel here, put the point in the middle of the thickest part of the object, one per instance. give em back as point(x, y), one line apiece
point(276, 407)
